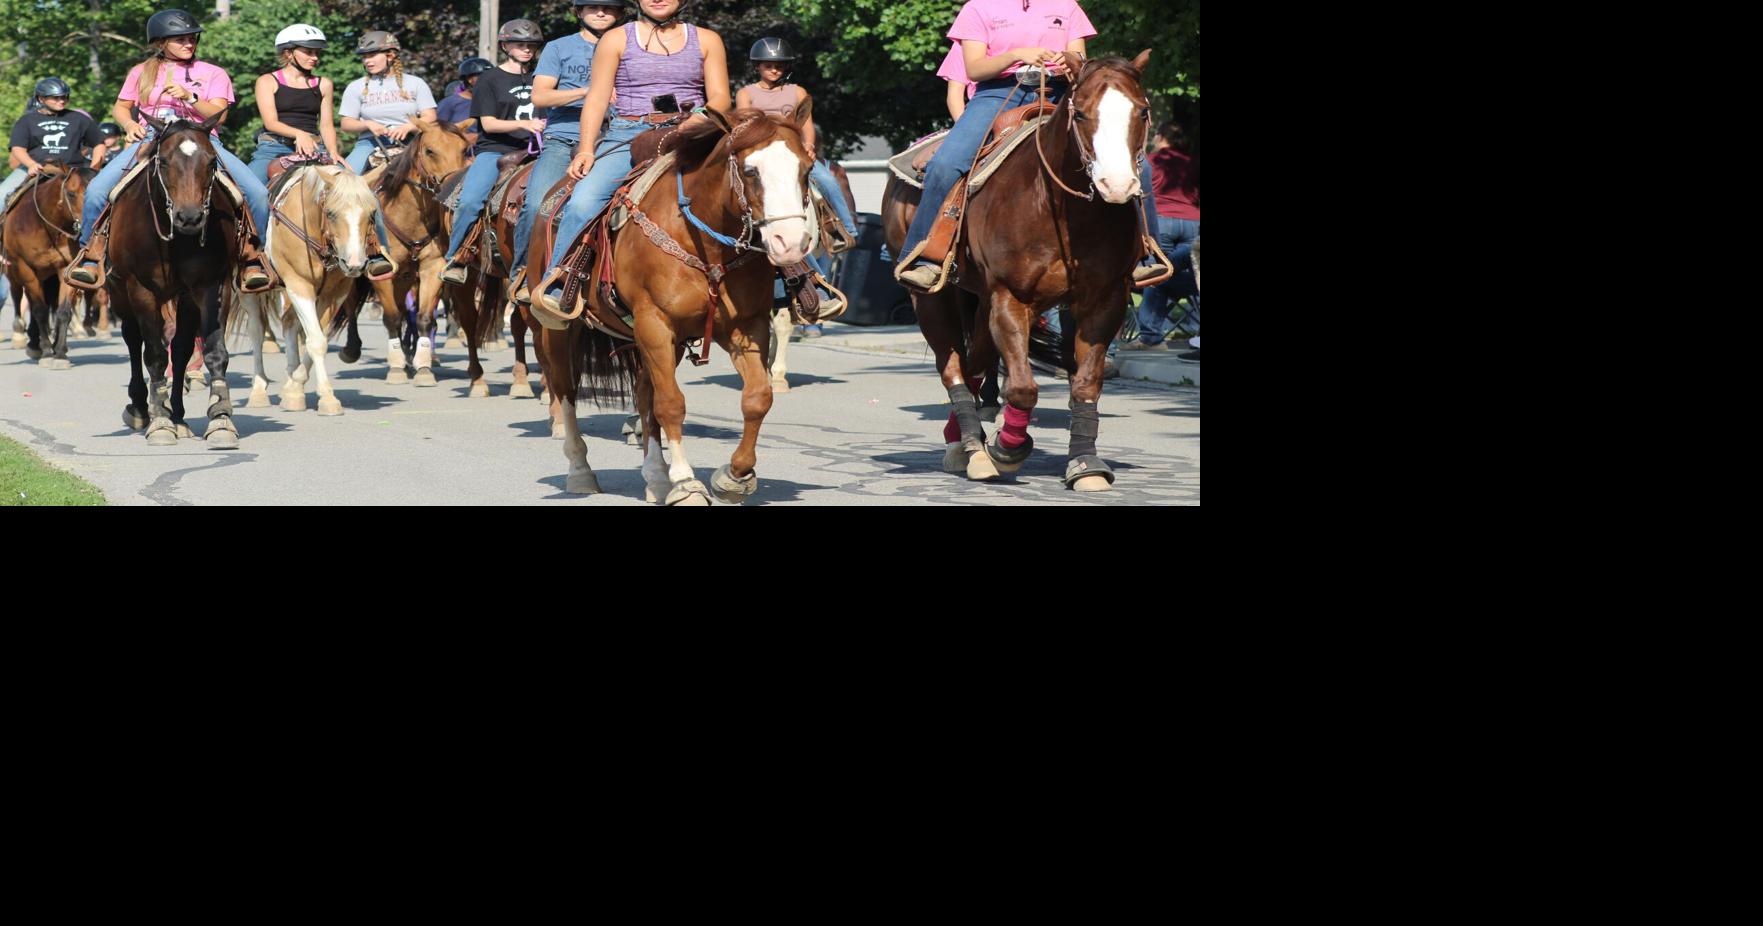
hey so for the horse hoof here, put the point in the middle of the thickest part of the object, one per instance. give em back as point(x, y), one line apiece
point(1009, 461)
point(271, 347)
point(258, 400)
point(19, 341)
point(478, 390)
point(184, 432)
point(103, 334)
point(44, 362)
point(293, 403)
point(520, 391)
point(221, 438)
point(980, 467)
point(347, 354)
point(955, 459)
point(166, 436)
point(1088, 473)
point(396, 378)
point(582, 484)
point(61, 365)
point(132, 419)
point(425, 377)
point(1092, 484)
point(689, 494)
point(329, 407)
point(733, 489)
point(780, 385)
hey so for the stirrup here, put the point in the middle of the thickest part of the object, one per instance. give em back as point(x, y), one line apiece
point(449, 276)
point(86, 273)
point(254, 279)
point(388, 269)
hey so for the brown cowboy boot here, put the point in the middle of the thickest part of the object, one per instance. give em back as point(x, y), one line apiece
point(379, 266)
point(88, 272)
point(254, 275)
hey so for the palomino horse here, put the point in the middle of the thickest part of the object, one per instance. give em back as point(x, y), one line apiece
point(173, 246)
point(40, 236)
point(321, 220)
point(406, 188)
point(743, 180)
point(1033, 241)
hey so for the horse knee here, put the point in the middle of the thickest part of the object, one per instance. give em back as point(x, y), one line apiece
point(1022, 394)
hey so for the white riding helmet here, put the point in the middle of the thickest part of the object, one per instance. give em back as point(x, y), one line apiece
point(299, 35)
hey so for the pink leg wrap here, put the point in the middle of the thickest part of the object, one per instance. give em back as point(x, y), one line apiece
point(952, 431)
point(1015, 427)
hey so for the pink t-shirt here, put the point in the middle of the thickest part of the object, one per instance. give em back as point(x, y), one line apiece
point(1004, 24)
point(205, 80)
point(955, 68)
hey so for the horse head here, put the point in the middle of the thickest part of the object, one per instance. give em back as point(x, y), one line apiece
point(1110, 119)
point(185, 162)
point(346, 205)
point(768, 174)
point(436, 152)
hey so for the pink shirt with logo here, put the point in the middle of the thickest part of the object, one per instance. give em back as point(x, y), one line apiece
point(206, 81)
point(1004, 25)
point(955, 68)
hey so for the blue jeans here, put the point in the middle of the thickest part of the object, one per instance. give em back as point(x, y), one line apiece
point(955, 157)
point(553, 164)
point(822, 177)
point(359, 154)
point(480, 178)
point(595, 190)
point(1176, 238)
point(98, 192)
point(13, 181)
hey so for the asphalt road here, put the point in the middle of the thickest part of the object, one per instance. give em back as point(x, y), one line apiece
point(861, 426)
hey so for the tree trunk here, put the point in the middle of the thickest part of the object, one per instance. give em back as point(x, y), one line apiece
point(97, 42)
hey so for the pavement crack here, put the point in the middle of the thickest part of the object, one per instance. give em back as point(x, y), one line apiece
point(163, 491)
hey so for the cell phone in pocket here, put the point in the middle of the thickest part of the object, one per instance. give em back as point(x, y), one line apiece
point(665, 103)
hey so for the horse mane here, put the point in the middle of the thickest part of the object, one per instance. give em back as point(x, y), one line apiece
point(695, 143)
point(347, 187)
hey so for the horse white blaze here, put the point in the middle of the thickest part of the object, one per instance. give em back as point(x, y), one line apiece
point(354, 251)
point(786, 239)
point(188, 147)
point(1117, 178)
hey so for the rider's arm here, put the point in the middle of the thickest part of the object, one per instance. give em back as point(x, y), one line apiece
point(715, 70)
point(599, 97)
point(99, 153)
point(327, 123)
point(743, 98)
point(546, 94)
point(956, 99)
point(24, 159)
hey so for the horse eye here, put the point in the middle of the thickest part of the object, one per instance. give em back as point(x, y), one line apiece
point(1081, 117)
point(751, 172)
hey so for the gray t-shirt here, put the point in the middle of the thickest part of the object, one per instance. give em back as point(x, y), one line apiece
point(377, 99)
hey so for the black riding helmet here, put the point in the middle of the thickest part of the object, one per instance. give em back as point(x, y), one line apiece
point(167, 23)
point(771, 48)
point(472, 67)
point(110, 130)
point(52, 86)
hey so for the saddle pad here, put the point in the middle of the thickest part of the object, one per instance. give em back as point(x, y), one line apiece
point(901, 164)
point(661, 165)
point(23, 190)
point(226, 184)
point(505, 182)
point(1011, 142)
point(450, 190)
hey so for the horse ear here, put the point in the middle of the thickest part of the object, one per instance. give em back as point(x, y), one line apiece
point(717, 116)
point(1143, 59)
point(158, 126)
point(209, 123)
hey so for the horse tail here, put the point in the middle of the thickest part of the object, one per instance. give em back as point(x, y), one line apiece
point(611, 368)
point(338, 318)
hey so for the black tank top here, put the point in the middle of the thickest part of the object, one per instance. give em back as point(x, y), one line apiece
point(296, 106)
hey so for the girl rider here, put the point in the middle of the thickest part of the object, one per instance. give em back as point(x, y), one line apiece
point(653, 57)
point(502, 103)
point(561, 83)
point(171, 84)
point(386, 103)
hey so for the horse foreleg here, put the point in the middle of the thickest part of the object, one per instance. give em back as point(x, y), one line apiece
point(964, 437)
point(390, 295)
point(183, 346)
point(464, 312)
point(20, 318)
point(1008, 326)
point(428, 295)
point(655, 339)
point(655, 482)
point(522, 388)
point(299, 363)
point(222, 434)
point(134, 414)
point(781, 326)
point(581, 479)
point(161, 431)
point(306, 309)
point(62, 327)
point(1097, 322)
point(737, 481)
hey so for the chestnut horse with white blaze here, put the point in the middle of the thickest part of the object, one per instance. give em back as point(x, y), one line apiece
point(1036, 238)
point(745, 179)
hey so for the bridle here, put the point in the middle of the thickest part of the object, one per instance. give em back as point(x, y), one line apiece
point(171, 206)
point(1087, 157)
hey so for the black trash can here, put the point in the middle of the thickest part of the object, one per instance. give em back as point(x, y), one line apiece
point(876, 299)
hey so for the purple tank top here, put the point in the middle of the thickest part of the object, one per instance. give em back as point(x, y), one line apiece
point(643, 76)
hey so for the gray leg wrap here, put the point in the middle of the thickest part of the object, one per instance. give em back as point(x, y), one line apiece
point(1086, 423)
point(973, 435)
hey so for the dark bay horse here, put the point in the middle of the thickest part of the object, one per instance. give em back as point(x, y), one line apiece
point(1035, 238)
point(174, 240)
point(478, 303)
point(40, 236)
point(746, 180)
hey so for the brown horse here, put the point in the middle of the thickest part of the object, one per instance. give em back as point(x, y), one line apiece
point(678, 281)
point(40, 236)
point(175, 238)
point(1034, 239)
point(478, 303)
point(406, 187)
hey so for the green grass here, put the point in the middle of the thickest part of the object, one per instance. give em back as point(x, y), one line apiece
point(26, 480)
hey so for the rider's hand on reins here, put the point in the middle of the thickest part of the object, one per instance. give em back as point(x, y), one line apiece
point(581, 164)
point(400, 131)
point(137, 132)
point(305, 145)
